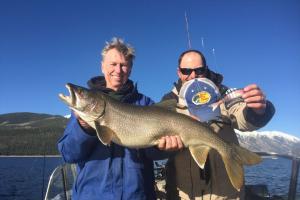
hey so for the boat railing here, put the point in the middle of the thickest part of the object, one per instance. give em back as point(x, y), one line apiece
point(60, 182)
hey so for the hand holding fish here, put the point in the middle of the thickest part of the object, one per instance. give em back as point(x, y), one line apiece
point(170, 143)
point(84, 125)
point(255, 98)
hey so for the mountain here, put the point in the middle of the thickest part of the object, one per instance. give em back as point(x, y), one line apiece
point(27, 133)
point(27, 120)
point(270, 141)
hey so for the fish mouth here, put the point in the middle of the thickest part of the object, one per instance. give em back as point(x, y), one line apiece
point(71, 99)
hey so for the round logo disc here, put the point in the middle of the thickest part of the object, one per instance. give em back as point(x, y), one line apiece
point(200, 96)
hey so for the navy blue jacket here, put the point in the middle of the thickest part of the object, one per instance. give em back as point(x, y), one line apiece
point(109, 172)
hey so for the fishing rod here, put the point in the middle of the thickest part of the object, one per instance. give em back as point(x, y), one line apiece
point(187, 31)
point(202, 40)
point(215, 58)
point(43, 167)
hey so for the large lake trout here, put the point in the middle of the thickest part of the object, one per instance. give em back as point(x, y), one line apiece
point(142, 126)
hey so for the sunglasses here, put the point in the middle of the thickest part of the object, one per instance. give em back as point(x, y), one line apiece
point(198, 70)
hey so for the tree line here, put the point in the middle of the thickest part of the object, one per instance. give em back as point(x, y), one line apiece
point(30, 141)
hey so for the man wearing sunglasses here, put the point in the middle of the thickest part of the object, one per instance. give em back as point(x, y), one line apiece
point(185, 180)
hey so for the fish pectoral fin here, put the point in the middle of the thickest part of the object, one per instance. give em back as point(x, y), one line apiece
point(167, 104)
point(104, 133)
point(199, 153)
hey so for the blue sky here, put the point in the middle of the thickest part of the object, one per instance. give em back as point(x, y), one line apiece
point(45, 44)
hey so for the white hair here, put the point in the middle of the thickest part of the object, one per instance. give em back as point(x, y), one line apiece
point(117, 43)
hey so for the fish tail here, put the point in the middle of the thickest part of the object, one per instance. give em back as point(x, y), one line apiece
point(234, 162)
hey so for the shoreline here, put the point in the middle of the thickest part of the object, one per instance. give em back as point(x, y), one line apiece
point(41, 156)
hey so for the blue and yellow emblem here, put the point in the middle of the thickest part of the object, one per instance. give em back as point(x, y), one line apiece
point(201, 98)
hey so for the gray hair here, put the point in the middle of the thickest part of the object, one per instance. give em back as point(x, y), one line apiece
point(117, 43)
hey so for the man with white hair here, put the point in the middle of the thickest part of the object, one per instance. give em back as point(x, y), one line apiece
point(112, 172)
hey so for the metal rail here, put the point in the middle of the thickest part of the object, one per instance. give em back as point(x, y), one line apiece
point(65, 174)
point(55, 171)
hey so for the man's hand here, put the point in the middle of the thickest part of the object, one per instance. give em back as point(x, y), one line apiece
point(170, 143)
point(84, 125)
point(255, 98)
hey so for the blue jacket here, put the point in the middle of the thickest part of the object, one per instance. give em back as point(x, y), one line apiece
point(109, 172)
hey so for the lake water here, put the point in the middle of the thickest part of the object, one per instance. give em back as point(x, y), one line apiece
point(26, 178)
point(275, 173)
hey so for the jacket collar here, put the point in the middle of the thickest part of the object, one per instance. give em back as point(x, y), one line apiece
point(127, 92)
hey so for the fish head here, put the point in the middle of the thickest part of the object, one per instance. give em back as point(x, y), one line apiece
point(88, 104)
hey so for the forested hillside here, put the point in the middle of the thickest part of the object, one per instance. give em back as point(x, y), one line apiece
point(30, 133)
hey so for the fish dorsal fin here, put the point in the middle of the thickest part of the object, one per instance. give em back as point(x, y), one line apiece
point(104, 133)
point(170, 104)
point(199, 153)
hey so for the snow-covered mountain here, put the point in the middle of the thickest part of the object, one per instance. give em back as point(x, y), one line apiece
point(270, 141)
point(67, 116)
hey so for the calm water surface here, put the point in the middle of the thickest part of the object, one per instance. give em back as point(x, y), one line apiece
point(25, 178)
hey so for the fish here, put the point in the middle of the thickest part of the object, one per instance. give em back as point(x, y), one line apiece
point(136, 126)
